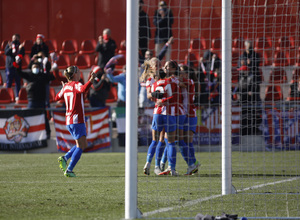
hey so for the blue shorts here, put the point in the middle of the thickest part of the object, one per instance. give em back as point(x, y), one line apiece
point(190, 124)
point(164, 121)
point(77, 130)
point(180, 121)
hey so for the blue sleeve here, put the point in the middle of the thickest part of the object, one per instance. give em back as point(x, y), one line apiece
point(119, 78)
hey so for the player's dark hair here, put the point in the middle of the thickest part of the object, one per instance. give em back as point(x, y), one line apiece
point(162, 73)
point(174, 65)
point(69, 72)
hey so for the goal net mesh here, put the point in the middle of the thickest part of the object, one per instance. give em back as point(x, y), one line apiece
point(265, 101)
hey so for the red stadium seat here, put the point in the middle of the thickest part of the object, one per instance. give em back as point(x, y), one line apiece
point(190, 59)
point(262, 43)
point(69, 47)
point(285, 42)
point(263, 46)
point(5, 96)
point(2, 46)
point(113, 95)
point(281, 58)
point(278, 75)
point(83, 61)
point(51, 95)
point(216, 46)
point(2, 62)
point(238, 44)
point(197, 46)
point(273, 93)
point(1, 80)
point(52, 45)
point(22, 96)
point(25, 61)
point(88, 47)
point(28, 46)
point(63, 61)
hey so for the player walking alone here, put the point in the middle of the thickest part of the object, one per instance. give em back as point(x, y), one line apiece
point(73, 94)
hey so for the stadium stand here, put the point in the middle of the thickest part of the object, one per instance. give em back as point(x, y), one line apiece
point(22, 96)
point(69, 47)
point(27, 46)
point(88, 46)
point(2, 46)
point(2, 62)
point(52, 45)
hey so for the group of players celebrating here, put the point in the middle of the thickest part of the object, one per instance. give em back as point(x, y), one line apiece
point(172, 88)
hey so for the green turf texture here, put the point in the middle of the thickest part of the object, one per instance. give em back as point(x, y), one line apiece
point(32, 186)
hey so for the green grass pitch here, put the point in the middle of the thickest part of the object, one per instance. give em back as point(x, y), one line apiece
point(33, 187)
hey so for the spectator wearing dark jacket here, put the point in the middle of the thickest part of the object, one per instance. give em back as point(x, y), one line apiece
point(100, 89)
point(163, 21)
point(39, 46)
point(144, 30)
point(106, 47)
point(14, 49)
point(36, 92)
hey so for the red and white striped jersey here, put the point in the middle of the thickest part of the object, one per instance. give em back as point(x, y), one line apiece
point(149, 82)
point(73, 94)
point(163, 86)
point(177, 93)
point(188, 95)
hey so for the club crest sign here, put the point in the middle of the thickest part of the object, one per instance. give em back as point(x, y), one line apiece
point(16, 128)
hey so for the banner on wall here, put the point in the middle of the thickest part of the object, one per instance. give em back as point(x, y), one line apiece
point(97, 126)
point(281, 128)
point(22, 129)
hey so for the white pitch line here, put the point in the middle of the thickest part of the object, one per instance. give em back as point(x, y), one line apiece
point(194, 202)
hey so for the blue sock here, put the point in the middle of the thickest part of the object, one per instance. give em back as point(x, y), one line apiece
point(191, 154)
point(165, 154)
point(151, 151)
point(172, 155)
point(69, 153)
point(75, 157)
point(184, 150)
point(158, 153)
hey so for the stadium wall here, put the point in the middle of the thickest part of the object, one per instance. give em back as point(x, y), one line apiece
point(77, 19)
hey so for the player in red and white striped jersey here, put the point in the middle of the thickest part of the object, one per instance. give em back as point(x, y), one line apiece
point(164, 115)
point(157, 146)
point(73, 94)
point(190, 124)
point(172, 69)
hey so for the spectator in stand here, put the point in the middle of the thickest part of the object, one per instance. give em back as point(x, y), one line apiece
point(163, 21)
point(106, 47)
point(39, 46)
point(120, 79)
point(46, 64)
point(209, 70)
point(249, 57)
point(248, 93)
point(36, 93)
point(100, 88)
point(14, 51)
point(144, 29)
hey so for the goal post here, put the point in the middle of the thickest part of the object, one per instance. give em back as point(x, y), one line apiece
point(226, 97)
point(131, 211)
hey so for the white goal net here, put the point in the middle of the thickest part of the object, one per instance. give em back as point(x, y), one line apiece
point(265, 115)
